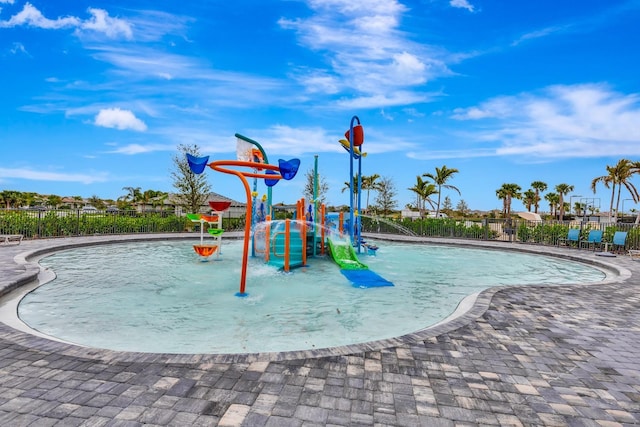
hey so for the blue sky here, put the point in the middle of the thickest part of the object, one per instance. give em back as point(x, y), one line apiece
point(96, 96)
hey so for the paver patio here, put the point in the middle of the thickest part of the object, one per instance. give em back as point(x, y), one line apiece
point(522, 356)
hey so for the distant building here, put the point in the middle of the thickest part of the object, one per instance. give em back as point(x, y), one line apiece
point(236, 209)
point(407, 213)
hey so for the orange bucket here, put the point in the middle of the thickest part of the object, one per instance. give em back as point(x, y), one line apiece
point(204, 251)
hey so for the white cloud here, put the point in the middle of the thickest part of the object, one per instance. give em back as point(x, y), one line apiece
point(368, 55)
point(103, 23)
point(462, 4)
point(408, 67)
point(31, 16)
point(132, 149)
point(119, 119)
point(391, 99)
point(588, 120)
point(40, 175)
point(295, 141)
point(100, 22)
point(540, 34)
point(19, 48)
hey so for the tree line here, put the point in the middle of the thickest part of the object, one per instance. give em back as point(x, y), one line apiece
point(192, 191)
point(617, 178)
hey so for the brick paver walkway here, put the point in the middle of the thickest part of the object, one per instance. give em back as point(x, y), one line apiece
point(522, 356)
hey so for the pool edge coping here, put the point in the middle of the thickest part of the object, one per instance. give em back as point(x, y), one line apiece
point(477, 304)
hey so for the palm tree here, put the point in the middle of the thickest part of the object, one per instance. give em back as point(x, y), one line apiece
point(10, 198)
point(553, 200)
point(54, 200)
point(577, 206)
point(635, 168)
point(618, 176)
point(159, 199)
point(424, 190)
point(78, 201)
point(440, 178)
point(563, 190)
point(134, 195)
point(96, 202)
point(539, 187)
point(369, 183)
point(507, 193)
point(351, 185)
point(529, 198)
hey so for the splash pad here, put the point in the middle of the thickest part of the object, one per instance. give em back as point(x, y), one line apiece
point(167, 302)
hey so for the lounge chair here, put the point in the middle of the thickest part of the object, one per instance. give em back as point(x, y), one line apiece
point(573, 236)
point(594, 238)
point(619, 241)
point(10, 239)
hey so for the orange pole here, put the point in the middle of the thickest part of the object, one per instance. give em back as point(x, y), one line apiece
point(340, 220)
point(303, 235)
point(287, 237)
point(247, 234)
point(267, 234)
point(218, 166)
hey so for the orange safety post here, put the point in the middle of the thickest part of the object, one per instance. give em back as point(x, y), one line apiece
point(287, 238)
point(340, 221)
point(267, 233)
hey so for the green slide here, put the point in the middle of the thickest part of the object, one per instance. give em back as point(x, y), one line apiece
point(350, 266)
point(345, 256)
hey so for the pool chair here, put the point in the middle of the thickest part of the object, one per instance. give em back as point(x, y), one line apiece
point(573, 237)
point(593, 239)
point(619, 242)
point(10, 239)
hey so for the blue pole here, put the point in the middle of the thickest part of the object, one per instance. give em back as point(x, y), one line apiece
point(358, 217)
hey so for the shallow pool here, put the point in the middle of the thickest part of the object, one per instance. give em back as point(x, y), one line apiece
point(160, 297)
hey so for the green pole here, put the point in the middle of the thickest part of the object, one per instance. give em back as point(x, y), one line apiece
point(264, 156)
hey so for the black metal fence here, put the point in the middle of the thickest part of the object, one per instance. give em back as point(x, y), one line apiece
point(33, 224)
point(510, 230)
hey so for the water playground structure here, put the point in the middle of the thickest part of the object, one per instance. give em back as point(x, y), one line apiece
point(286, 244)
point(214, 222)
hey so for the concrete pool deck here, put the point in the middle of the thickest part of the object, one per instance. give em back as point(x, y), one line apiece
point(522, 356)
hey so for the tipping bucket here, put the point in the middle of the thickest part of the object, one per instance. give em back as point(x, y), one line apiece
point(358, 135)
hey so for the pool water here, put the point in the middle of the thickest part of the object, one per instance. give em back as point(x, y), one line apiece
point(161, 297)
